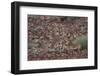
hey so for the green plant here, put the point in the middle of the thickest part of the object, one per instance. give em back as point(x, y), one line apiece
point(82, 41)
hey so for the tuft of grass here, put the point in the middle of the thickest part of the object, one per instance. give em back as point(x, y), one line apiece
point(82, 41)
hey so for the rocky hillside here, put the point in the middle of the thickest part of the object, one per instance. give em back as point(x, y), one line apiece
point(51, 37)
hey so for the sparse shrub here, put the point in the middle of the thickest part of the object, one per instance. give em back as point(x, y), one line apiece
point(82, 41)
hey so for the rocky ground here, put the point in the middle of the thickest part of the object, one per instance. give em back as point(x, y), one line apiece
point(51, 37)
